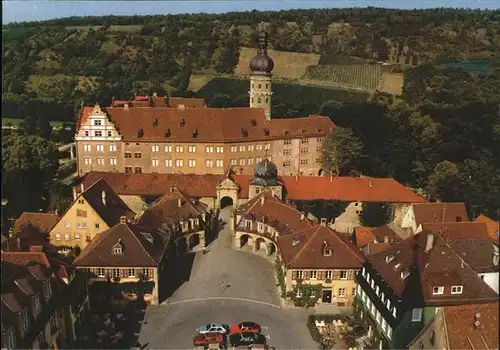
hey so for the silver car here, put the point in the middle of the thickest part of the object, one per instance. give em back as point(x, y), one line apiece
point(214, 327)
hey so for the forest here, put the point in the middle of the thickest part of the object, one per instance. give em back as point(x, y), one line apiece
point(442, 135)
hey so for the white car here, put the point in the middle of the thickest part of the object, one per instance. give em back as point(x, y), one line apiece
point(214, 327)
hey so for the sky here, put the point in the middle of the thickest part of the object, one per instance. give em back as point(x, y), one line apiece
point(26, 10)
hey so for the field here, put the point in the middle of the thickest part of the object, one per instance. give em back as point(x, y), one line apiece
point(354, 76)
point(15, 122)
point(197, 81)
point(291, 65)
point(392, 83)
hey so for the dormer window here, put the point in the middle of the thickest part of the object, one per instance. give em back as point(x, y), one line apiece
point(389, 257)
point(37, 306)
point(24, 321)
point(397, 266)
point(97, 122)
point(327, 250)
point(437, 290)
point(456, 289)
point(404, 274)
point(248, 225)
point(47, 290)
point(117, 249)
point(260, 227)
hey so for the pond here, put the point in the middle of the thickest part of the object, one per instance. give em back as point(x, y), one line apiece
point(473, 67)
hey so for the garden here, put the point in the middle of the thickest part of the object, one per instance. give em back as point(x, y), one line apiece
point(336, 331)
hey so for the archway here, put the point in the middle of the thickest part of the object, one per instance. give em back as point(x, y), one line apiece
point(182, 246)
point(271, 248)
point(259, 243)
point(194, 240)
point(245, 240)
point(226, 202)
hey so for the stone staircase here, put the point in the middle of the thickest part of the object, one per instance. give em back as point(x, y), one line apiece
point(330, 309)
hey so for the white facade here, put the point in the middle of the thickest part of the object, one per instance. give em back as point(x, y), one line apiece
point(491, 279)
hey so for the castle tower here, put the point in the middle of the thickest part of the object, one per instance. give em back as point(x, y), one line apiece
point(260, 78)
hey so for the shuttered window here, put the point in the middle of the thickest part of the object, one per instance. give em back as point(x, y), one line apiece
point(336, 274)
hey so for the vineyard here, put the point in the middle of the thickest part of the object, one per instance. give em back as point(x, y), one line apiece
point(355, 76)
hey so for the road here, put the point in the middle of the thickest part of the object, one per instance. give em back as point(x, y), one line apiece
point(226, 286)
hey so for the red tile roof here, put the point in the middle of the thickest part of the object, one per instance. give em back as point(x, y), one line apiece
point(363, 236)
point(156, 184)
point(43, 222)
point(27, 237)
point(438, 266)
point(458, 230)
point(158, 101)
point(492, 226)
point(374, 248)
point(461, 329)
point(24, 258)
point(303, 249)
point(348, 189)
point(439, 212)
point(208, 124)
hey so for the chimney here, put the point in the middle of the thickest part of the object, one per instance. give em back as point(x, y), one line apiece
point(302, 216)
point(123, 219)
point(125, 106)
point(323, 221)
point(82, 187)
point(74, 193)
point(183, 122)
point(262, 200)
point(103, 195)
point(331, 178)
point(56, 212)
point(179, 202)
point(386, 239)
point(430, 242)
point(370, 183)
point(296, 177)
point(181, 107)
point(18, 241)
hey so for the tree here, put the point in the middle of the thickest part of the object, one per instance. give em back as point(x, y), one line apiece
point(376, 214)
point(443, 180)
point(329, 337)
point(220, 101)
point(36, 126)
point(341, 151)
point(29, 164)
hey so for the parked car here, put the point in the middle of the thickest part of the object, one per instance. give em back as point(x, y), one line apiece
point(246, 339)
point(213, 327)
point(208, 338)
point(251, 327)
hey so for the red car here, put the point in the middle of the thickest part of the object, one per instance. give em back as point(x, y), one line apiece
point(251, 327)
point(208, 338)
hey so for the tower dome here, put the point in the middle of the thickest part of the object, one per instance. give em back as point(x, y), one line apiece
point(265, 173)
point(262, 64)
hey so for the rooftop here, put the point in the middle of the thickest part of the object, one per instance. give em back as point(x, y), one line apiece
point(492, 226)
point(43, 222)
point(439, 212)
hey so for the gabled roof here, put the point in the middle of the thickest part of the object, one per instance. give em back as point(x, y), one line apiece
point(374, 248)
point(113, 208)
point(160, 101)
point(267, 208)
point(462, 332)
point(492, 227)
point(363, 236)
point(173, 207)
point(345, 188)
point(26, 236)
point(43, 222)
point(25, 258)
point(137, 250)
point(439, 212)
point(439, 265)
point(384, 234)
point(156, 184)
point(477, 253)
point(458, 230)
point(303, 249)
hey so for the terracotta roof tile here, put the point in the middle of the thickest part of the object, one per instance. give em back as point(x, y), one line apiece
point(439, 266)
point(492, 227)
point(137, 250)
point(439, 212)
point(384, 234)
point(363, 236)
point(24, 258)
point(310, 126)
point(44, 222)
point(477, 252)
point(461, 331)
point(195, 186)
point(303, 249)
point(458, 230)
point(374, 248)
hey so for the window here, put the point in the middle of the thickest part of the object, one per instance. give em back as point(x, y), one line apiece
point(179, 163)
point(319, 160)
point(287, 152)
point(242, 161)
point(100, 148)
point(258, 159)
point(47, 290)
point(388, 304)
point(116, 273)
point(377, 316)
point(37, 306)
point(168, 162)
point(24, 321)
point(155, 148)
point(394, 310)
point(287, 142)
point(110, 134)
point(234, 161)
point(304, 141)
point(97, 122)
point(377, 290)
point(389, 332)
point(138, 169)
point(112, 161)
point(353, 291)
point(242, 148)
point(58, 236)
point(341, 292)
point(260, 227)
point(97, 225)
point(437, 290)
point(456, 289)
point(191, 149)
point(100, 161)
point(67, 224)
point(304, 150)
point(86, 133)
point(314, 274)
point(219, 163)
point(112, 148)
point(137, 155)
point(258, 147)
point(319, 149)
point(88, 161)
point(128, 154)
point(98, 133)
point(328, 274)
point(234, 149)
point(299, 293)
point(87, 148)
point(77, 236)
point(128, 170)
point(416, 315)
point(131, 272)
point(145, 272)
point(117, 249)
point(248, 225)
point(191, 163)
point(67, 236)
point(155, 162)
point(300, 274)
point(220, 149)
point(267, 146)
point(250, 161)
point(209, 163)
point(343, 274)
point(304, 161)
point(320, 139)
point(100, 272)
point(287, 164)
point(250, 148)
point(179, 149)
point(363, 272)
point(10, 340)
point(168, 148)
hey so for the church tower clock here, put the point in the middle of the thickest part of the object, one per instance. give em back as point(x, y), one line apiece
point(260, 78)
